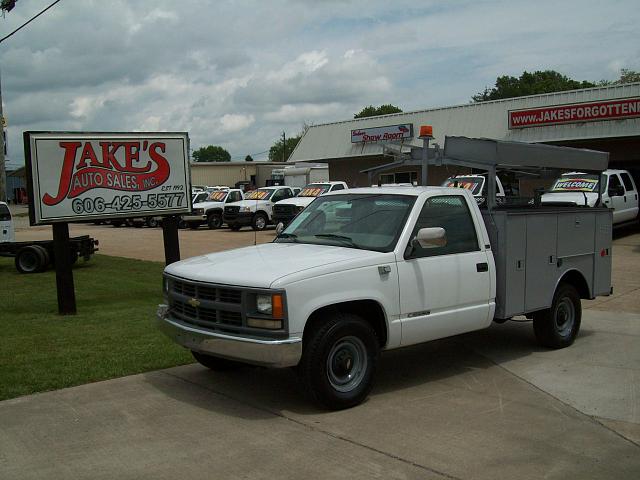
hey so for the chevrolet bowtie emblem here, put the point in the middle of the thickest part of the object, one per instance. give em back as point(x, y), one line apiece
point(194, 302)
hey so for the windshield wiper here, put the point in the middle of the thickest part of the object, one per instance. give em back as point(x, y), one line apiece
point(292, 236)
point(333, 236)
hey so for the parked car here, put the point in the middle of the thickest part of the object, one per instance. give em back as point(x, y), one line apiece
point(256, 210)
point(210, 211)
point(285, 210)
point(577, 188)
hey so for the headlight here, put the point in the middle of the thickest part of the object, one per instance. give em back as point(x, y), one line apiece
point(264, 304)
point(245, 209)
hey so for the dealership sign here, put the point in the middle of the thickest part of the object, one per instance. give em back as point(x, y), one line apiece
point(89, 176)
point(376, 134)
point(575, 113)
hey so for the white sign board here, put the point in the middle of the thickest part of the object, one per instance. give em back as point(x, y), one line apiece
point(387, 133)
point(89, 176)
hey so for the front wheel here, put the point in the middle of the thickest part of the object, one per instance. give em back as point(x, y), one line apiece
point(214, 221)
point(215, 363)
point(558, 326)
point(339, 361)
point(260, 221)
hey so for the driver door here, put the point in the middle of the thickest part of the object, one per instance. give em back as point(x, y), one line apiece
point(445, 290)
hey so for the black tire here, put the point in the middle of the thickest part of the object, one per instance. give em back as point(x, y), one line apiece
point(152, 222)
point(182, 224)
point(31, 259)
point(339, 361)
point(214, 221)
point(558, 326)
point(216, 363)
point(193, 225)
point(234, 226)
point(259, 221)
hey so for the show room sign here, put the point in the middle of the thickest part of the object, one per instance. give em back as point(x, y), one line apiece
point(88, 176)
point(619, 109)
point(387, 133)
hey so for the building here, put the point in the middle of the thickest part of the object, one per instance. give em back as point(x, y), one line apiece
point(229, 173)
point(17, 185)
point(601, 118)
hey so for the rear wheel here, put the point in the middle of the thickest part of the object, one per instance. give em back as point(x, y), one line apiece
point(558, 326)
point(259, 221)
point(214, 221)
point(216, 363)
point(32, 259)
point(339, 361)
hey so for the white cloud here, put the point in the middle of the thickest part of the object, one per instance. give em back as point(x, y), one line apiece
point(235, 122)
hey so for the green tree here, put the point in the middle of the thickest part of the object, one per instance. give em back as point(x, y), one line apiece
point(275, 152)
point(626, 76)
point(546, 81)
point(211, 153)
point(372, 111)
point(248, 158)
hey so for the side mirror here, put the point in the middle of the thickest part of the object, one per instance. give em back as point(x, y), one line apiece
point(279, 228)
point(432, 237)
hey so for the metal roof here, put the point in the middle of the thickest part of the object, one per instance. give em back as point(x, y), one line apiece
point(484, 119)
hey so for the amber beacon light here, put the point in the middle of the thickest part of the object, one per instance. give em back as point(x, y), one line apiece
point(426, 131)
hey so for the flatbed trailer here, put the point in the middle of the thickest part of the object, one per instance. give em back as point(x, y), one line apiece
point(37, 255)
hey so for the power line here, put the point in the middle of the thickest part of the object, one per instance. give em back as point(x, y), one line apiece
point(28, 22)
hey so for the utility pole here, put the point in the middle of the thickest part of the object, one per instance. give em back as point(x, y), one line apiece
point(284, 146)
point(3, 172)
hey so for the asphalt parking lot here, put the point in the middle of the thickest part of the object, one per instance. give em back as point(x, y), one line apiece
point(485, 405)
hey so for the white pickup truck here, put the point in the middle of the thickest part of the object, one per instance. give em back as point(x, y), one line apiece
point(365, 270)
point(210, 210)
point(256, 210)
point(477, 185)
point(285, 210)
point(578, 188)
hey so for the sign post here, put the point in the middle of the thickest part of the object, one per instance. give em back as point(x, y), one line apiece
point(79, 176)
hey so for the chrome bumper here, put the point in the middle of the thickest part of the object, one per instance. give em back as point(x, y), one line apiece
point(268, 353)
point(194, 218)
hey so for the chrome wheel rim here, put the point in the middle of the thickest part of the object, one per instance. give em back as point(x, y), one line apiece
point(260, 223)
point(347, 364)
point(565, 317)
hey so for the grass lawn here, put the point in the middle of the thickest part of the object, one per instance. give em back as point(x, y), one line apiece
point(112, 335)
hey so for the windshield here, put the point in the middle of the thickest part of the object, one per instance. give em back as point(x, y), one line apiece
point(313, 190)
point(474, 184)
point(260, 194)
point(218, 196)
point(577, 182)
point(365, 221)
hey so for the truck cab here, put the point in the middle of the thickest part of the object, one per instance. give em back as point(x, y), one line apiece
point(210, 210)
point(256, 210)
point(578, 188)
point(7, 233)
point(285, 210)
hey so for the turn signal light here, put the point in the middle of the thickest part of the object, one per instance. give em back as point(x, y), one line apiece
point(277, 307)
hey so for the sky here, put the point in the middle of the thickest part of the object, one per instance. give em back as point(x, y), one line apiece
point(239, 73)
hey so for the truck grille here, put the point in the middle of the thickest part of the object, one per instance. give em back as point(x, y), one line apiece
point(204, 305)
point(231, 211)
point(285, 211)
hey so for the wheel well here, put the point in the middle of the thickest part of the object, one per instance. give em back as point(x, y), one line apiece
point(576, 279)
point(262, 212)
point(369, 310)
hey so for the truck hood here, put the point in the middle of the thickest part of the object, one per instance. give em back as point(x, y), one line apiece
point(297, 201)
point(207, 205)
point(250, 203)
point(576, 198)
point(260, 266)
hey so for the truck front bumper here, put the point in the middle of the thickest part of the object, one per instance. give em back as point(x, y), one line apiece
point(267, 353)
point(241, 218)
point(194, 218)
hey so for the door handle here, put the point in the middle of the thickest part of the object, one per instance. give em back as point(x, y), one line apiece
point(482, 267)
